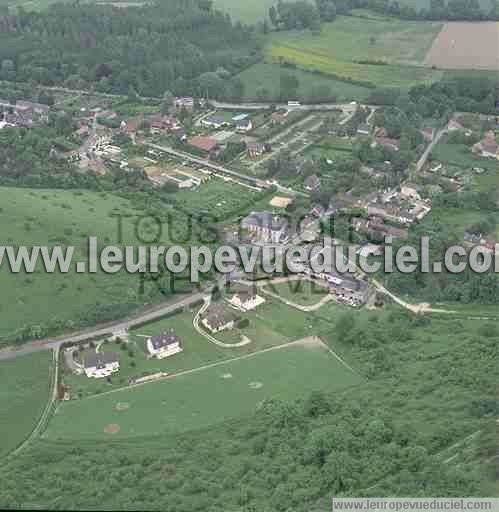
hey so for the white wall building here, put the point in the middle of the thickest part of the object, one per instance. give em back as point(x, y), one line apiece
point(165, 345)
point(98, 365)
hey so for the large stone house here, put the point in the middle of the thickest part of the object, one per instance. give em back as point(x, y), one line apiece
point(267, 227)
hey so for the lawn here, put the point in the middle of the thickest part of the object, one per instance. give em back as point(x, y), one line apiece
point(205, 398)
point(23, 396)
point(38, 303)
point(304, 293)
point(265, 76)
point(265, 330)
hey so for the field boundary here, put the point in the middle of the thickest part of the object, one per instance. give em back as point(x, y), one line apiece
point(309, 341)
point(47, 412)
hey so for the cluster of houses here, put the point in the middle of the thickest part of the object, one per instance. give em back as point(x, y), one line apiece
point(26, 114)
point(346, 288)
point(219, 318)
point(404, 206)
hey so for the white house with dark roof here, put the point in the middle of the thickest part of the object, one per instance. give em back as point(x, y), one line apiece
point(98, 365)
point(165, 345)
point(244, 125)
point(218, 318)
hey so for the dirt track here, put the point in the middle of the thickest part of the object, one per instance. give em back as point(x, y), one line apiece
point(466, 45)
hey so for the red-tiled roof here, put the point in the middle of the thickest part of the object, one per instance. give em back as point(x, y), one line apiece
point(203, 143)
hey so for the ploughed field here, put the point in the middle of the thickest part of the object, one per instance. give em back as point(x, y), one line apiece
point(462, 45)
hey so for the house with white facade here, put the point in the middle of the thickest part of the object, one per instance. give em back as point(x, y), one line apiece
point(217, 319)
point(246, 300)
point(98, 365)
point(165, 345)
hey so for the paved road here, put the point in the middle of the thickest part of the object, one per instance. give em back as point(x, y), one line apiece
point(103, 330)
point(429, 149)
point(205, 163)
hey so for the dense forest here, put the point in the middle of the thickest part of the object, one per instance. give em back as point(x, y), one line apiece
point(301, 14)
point(149, 49)
point(402, 433)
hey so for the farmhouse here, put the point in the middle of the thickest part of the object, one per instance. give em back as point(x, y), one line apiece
point(267, 227)
point(312, 183)
point(246, 300)
point(100, 364)
point(217, 318)
point(165, 345)
point(205, 144)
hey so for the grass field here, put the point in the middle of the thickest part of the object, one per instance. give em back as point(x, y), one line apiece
point(350, 39)
point(344, 46)
point(23, 397)
point(246, 11)
point(204, 398)
point(62, 218)
point(266, 76)
point(270, 325)
point(304, 293)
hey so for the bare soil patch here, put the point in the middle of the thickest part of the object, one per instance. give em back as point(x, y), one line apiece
point(112, 428)
point(466, 45)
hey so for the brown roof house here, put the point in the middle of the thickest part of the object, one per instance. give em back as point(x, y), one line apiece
point(217, 318)
point(165, 345)
point(206, 144)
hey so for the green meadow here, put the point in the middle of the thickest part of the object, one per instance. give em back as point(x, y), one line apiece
point(34, 304)
point(23, 396)
point(202, 399)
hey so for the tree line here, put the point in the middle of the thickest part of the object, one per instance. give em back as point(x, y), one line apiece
point(166, 45)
